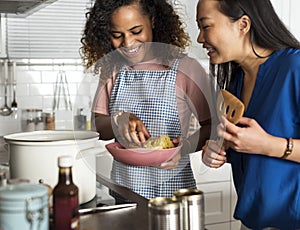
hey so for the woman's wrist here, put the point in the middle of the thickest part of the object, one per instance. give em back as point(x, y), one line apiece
point(277, 148)
point(186, 146)
point(289, 148)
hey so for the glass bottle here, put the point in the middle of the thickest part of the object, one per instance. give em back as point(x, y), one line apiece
point(65, 197)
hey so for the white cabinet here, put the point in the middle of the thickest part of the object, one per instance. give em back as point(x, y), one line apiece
point(217, 201)
point(219, 194)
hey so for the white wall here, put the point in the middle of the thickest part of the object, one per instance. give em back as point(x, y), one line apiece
point(35, 90)
point(189, 17)
point(288, 11)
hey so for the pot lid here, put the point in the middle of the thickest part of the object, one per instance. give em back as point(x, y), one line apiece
point(51, 136)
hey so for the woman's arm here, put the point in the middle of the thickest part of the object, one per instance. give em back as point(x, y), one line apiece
point(104, 126)
point(197, 140)
point(252, 138)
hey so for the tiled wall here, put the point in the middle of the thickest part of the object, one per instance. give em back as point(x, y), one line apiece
point(35, 90)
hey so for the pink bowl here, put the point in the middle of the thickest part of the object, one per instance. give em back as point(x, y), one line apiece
point(141, 156)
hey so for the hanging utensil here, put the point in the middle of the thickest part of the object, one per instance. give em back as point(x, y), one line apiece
point(14, 104)
point(5, 110)
point(63, 114)
point(61, 89)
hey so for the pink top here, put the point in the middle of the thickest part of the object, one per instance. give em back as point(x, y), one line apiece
point(192, 85)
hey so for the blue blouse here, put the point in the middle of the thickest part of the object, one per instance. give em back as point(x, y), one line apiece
point(268, 188)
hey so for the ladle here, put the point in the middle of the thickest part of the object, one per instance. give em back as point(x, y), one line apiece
point(6, 110)
point(14, 105)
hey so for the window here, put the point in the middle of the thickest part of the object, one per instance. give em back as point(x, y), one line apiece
point(54, 32)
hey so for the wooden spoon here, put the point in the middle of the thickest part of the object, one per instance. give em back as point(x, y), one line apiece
point(230, 106)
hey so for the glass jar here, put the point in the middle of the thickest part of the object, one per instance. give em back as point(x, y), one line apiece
point(28, 120)
point(49, 120)
point(39, 123)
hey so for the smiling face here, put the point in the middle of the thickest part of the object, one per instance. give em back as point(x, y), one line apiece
point(131, 31)
point(225, 40)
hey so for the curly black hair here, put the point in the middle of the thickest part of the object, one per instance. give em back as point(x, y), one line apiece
point(96, 39)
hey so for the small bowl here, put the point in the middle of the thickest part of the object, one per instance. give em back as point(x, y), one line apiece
point(141, 156)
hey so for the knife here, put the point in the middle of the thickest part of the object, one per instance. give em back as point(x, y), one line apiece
point(85, 211)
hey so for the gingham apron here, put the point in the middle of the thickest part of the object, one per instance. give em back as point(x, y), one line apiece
point(150, 95)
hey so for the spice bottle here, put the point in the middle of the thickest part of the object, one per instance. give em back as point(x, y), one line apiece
point(39, 123)
point(80, 120)
point(49, 120)
point(65, 197)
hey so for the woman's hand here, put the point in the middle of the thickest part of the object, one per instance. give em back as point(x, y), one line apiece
point(250, 138)
point(175, 160)
point(129, 129)
point(213, 155)
point(171, 163)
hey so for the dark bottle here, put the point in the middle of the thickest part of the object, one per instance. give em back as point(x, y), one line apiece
point(65, 197)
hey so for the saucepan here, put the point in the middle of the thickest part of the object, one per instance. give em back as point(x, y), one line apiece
point(33, 156)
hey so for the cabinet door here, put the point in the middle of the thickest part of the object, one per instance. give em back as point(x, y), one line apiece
point(216, 185)
point(204, 174)
point(222, 226)
point(235, 225)
point(216, 202)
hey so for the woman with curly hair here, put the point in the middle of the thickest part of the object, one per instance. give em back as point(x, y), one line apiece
point(148, 87)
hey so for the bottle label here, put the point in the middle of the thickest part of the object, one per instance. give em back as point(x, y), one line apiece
point(66, 215)
point(75, 223)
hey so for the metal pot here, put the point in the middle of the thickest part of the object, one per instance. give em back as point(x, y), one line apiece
point(33, 156)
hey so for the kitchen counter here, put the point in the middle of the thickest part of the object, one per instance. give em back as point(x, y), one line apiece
point(133, 218)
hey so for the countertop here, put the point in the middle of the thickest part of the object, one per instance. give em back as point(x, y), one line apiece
point(120, 219)
point(133, 218)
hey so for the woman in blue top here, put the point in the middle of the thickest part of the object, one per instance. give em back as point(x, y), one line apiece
point(256, 58)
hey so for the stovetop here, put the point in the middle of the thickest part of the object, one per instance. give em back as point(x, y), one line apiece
point(102, 198)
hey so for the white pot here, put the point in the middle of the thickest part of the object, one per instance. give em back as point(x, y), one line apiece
point(33, 156)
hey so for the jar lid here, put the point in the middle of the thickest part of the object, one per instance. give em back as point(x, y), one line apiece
point(22, 191)
point(15, 196)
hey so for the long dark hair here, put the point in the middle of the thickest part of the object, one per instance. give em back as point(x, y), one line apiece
point(266, 31)
point(96, 39)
